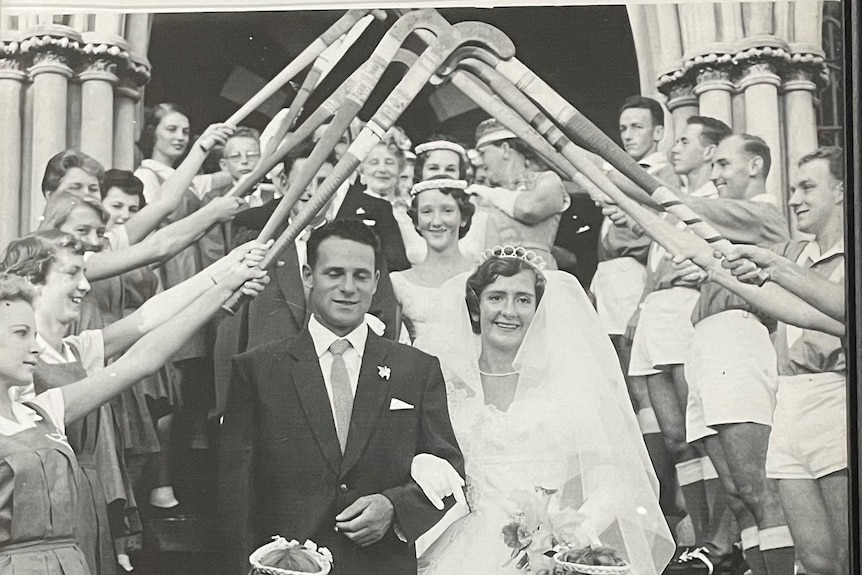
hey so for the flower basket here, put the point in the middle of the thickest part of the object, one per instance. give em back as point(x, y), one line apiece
point(582, 569)
point(306, 558)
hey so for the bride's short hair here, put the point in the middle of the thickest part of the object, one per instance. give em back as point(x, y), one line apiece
point(487, 273)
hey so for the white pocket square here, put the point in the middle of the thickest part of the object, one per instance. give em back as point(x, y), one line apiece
point(396, 404)
point(369, 223)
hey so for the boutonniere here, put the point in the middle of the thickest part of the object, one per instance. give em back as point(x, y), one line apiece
point(384, 372)
point(360, 211)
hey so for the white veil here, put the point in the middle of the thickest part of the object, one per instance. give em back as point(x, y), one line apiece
point(569, 361)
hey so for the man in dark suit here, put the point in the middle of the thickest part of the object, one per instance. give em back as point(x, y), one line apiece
point(321, 429)
point(281, 310)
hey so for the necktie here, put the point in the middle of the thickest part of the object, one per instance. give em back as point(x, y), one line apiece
point(342, 396)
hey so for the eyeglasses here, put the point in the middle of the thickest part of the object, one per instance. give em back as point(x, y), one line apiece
point(248, 156)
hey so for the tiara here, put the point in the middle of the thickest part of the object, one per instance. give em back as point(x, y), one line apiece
point(441, 145)
point(437, 184)
point(515, 252)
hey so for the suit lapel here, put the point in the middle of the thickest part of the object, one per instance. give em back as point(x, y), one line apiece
point(371, 394)
point(311, 389)
point(289, 279)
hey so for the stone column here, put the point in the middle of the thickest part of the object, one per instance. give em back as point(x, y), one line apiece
point(799, 120)
point(52, 50)
point(760, 84)
point(714, 90)
point(682, 104)
point(12, 80)
point(98, 78)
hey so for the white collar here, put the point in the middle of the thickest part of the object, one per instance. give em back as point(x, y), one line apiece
point(654, 160)
point(25, 418)
point(708, 190)
point(157, 167)
point(52, 355)
point(323, 338)
point(812, 251)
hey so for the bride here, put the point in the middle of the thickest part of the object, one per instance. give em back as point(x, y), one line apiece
point(552, 449)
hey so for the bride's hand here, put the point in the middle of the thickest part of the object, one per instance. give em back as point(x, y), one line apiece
point(437, 478)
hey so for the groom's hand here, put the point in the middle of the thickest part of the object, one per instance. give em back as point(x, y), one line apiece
point(366, 520)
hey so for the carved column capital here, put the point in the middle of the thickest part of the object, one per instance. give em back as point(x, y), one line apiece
point(679, 95)
point(11, 60)
point(104, 56)
point(54, 49)
point(799, 79)
point(759, 71)
point(714, 77)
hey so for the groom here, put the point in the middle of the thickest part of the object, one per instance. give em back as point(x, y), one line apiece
point(320, 429)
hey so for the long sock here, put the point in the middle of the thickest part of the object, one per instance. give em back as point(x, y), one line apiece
point(690, 476)
point(720, 532)
point(776, 546)
point(751, 551)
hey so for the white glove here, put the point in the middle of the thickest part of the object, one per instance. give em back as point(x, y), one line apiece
point(437, 478)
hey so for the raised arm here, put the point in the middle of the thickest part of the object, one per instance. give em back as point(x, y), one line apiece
point(547, 198)
point(806, 284)
point(119, 335)
point(171, 192)
point(165, 243)
point(158, 346)
point(771, 298)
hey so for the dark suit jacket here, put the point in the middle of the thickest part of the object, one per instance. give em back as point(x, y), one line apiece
point(358, 205)
point(279, 312)
point(281, 468)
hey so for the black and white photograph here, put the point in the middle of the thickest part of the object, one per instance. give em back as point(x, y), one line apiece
point(419, 288)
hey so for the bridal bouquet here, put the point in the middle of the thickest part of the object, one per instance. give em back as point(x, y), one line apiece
point(283, 557)
point(539, 527)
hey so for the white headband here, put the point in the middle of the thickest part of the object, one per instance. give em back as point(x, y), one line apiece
point(437, 184)
point(441, 145)
point(495, 136)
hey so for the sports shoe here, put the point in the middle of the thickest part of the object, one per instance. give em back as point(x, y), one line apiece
point(697, 560)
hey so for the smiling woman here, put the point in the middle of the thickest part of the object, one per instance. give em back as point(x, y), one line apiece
point(541, 413)
point(67, 530)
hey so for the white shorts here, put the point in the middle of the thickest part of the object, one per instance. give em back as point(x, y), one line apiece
point(731, 373)
point(618, 286)
point(664, 331)
point(809, 430)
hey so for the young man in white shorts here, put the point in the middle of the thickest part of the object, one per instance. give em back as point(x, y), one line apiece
point(807, 452)
point(731, 370)
point(661, 347)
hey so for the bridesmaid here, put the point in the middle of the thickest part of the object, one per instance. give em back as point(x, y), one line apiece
point(441, 212)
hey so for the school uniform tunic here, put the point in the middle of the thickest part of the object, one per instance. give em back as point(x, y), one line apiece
point(39, 501)
point(93, 441)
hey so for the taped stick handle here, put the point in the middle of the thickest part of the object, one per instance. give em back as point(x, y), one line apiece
point(472, 88)
point(346, 166)
point(580, 129)
point(321, 152)
point(305, 58)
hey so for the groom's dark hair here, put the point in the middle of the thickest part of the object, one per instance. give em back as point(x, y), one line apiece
point(346, 229)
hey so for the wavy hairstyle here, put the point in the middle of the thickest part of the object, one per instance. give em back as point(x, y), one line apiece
point(32, 256)
point(60, 206)
point(152, 118)
point(16, 288)
point(465, 206)
point(463, 162)
point(487, 273)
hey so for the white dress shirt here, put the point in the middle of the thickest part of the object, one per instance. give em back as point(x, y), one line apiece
point(323, 338)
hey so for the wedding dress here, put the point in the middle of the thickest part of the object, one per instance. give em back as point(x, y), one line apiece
point(565, 463)
point(425, 310)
